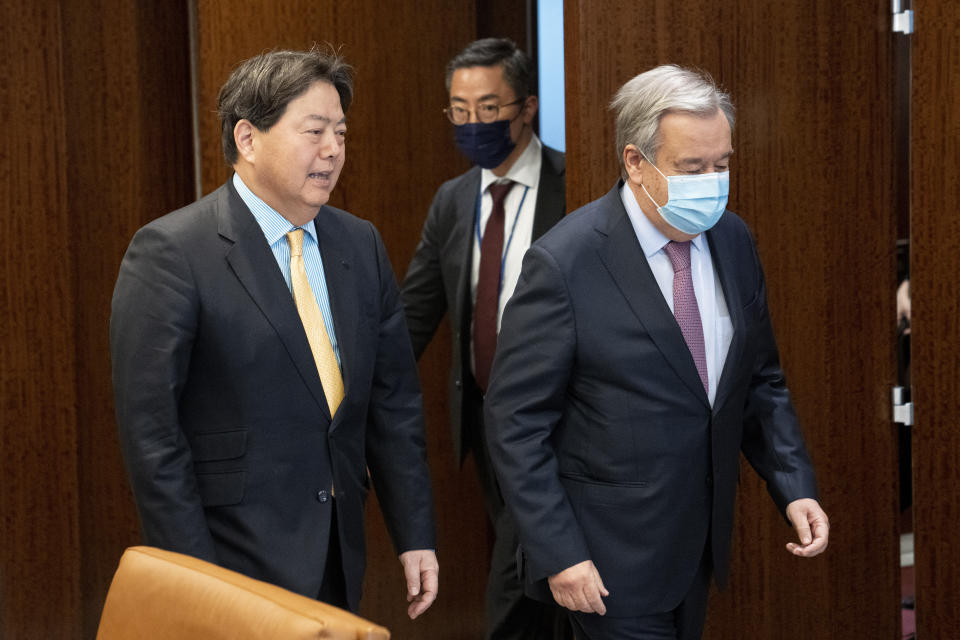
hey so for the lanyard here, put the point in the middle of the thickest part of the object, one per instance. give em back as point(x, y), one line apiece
point(513, 227)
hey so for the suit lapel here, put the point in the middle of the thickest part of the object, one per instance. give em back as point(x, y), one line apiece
point(335, 251)
point(466, 219)
point(253, 263)
point(551, 193)
point(623, 257)
point(723, 255)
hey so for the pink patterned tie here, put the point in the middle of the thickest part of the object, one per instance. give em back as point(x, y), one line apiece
point(685, 308)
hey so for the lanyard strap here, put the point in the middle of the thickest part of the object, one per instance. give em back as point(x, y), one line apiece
point(513, 227)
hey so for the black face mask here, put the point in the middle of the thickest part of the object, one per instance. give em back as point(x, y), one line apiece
point(487, 144)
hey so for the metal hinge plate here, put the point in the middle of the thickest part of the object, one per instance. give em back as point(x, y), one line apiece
point(903, 22)
point(902, 411)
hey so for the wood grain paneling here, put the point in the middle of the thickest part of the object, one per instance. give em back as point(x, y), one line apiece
point(400, 149)
point(934, 265)
point(98, 112)
point(812, 174)
point(39, 537)
point(504, 19)
point(126, 79)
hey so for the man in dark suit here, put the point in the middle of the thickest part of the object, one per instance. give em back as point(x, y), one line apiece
point(467, 263)
point(636, 361)
point(261, 360)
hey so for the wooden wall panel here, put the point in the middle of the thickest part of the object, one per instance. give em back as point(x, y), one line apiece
point(129, 132)
point(400, 149)
point(934, 265)
point(504, 19)
point(812, 174)
point(98, 112)
point(39, 538)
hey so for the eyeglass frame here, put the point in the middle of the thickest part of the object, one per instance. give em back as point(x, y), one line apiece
point(449, 108)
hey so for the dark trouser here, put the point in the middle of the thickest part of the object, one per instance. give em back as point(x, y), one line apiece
point(333, 589)
point(683, 623)
point(510, 615)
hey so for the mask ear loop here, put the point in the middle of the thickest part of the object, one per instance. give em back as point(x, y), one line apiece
point(661, 173)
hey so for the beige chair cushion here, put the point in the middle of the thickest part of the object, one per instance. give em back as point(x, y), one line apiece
point(161, 594)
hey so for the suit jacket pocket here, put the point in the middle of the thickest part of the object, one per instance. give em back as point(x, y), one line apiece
point(582, 489)
point(218, 466)
point(221, 489)
point(218, 445)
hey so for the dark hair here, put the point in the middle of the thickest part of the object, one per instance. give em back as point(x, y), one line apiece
point(260, 89)
point(517, 69)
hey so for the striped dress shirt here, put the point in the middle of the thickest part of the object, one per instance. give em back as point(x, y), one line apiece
point(275, 228)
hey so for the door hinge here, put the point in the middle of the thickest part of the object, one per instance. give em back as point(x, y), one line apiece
point(902, 410)
point(902, 19)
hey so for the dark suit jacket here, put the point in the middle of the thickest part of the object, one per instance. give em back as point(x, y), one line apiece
point(438, 279)
point(223, 423)
point(604, 441)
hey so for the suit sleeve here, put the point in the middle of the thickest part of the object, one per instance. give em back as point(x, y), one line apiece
point(152, 327)
point(396, 446)
point(525, 404)
point(772, 440)
point(424, 298)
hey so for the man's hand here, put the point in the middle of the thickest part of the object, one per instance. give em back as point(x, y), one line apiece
point(579, 588)
point(812, 527)
point(422, 572)
point(903, 305)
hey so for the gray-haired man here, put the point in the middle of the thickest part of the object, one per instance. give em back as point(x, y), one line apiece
point(635, 362)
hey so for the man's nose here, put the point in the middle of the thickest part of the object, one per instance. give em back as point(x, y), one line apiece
point(331, 145)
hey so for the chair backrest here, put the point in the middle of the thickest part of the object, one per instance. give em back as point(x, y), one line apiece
point(161, 594)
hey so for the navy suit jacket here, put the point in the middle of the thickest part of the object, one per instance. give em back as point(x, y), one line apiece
point(438, 279)
point(223, 422)
point(604, 441)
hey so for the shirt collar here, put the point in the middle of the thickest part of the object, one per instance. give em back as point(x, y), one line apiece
point(525, 171)
point(275, 227)
point(651, 239)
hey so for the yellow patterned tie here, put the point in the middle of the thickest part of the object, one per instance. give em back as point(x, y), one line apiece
point(323, 355)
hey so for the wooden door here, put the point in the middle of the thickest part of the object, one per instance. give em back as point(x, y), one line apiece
point(934, 270)
point(812, 176)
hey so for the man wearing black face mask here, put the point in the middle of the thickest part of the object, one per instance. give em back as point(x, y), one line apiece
point(467, 263)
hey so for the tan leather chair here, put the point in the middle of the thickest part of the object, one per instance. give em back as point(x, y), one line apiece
point(160, 594)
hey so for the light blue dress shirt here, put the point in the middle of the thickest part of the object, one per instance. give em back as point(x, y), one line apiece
point(714, 316)
point(275, 228)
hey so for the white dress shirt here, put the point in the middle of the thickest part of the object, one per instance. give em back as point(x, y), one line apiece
point(518, 220)
point(714, 316)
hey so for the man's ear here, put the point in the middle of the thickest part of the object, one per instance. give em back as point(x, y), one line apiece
point(633, 162)
point(243, 136)
point(529, 111)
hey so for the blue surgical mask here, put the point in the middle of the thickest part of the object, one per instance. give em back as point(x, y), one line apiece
point(695, 202)
point(487, 144)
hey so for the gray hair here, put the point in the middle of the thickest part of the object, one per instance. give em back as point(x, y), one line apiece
point(260, 89)
point(640, 104)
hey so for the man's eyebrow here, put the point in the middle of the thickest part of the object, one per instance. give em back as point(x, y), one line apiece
point(699, 161)
point(483, 98)
point(325, 119)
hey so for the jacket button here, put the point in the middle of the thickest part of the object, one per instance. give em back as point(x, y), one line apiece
point(322, 496)
point(709, 480)
point(458, 384)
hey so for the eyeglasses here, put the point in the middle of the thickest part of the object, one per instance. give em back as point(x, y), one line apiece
point(486, 112)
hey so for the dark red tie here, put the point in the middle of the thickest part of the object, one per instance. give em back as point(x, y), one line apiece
point(488, 286)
